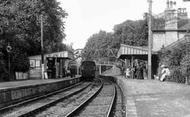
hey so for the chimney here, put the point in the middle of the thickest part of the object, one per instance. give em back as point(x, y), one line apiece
point(171, 16)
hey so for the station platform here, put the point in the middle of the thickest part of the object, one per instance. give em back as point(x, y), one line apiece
point(22, 83)
point(152, 98)
point(18, 91)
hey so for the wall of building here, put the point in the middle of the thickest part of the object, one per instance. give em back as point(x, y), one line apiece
point(181, 35)
point(170, 33)
point(158, 40)
point(165, 38)
point(171, 36)
point(171, 24)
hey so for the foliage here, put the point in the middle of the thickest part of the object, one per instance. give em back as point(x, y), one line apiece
point(132, 33)
point(176, 75)
point(177, 60)
point(105, 45)
point(20, 20)
point(185, 65)
point(158, 23)
point(98, 45)
point(172, 57)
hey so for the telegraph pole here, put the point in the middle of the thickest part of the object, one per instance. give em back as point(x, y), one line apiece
point(150, 40)
point(42, 47)
point(187, 39)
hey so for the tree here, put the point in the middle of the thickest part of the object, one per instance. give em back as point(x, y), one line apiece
point(104, 44)
point(97, 45)
point(133, 33)
point(20, 20)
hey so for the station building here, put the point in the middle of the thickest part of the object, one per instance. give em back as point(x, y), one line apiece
point(55, 64)
point(175, 28)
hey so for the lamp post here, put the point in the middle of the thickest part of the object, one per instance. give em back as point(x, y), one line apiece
point(9, 49)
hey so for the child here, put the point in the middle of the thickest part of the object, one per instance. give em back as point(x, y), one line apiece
point(127, 73)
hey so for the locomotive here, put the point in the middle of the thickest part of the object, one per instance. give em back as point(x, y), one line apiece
point(88, 70)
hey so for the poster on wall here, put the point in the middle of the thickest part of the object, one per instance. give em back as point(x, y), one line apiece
point(32, 63)
point(37, 63)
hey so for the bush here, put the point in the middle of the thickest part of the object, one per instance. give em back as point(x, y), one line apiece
point(177, 61)
point(185, 65)
point(176, 75)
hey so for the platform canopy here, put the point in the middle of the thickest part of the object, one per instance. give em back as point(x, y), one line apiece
point(60, 55)
point(127, 52)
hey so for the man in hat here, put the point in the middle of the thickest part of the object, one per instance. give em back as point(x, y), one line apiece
point(164, 72)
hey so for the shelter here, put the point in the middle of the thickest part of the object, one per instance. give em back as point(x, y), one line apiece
point(130, 54)
point(54, 62)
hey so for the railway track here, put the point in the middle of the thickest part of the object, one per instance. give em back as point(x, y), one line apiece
point(63, 109)
point(86, 100)
point(32, 106)
point(98, 105)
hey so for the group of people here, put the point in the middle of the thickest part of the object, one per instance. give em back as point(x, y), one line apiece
point(137, 72)
point(70, 71)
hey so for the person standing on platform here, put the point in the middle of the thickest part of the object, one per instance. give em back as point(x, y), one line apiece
point(64, 71)
point(139, 72)
point(164, 73)
point(127, 72)
point(68, 72)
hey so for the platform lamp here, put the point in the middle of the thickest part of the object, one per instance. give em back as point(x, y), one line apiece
point(187, 40)
point(9, 50)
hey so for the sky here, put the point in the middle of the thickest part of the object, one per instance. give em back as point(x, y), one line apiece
point(87, 17)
